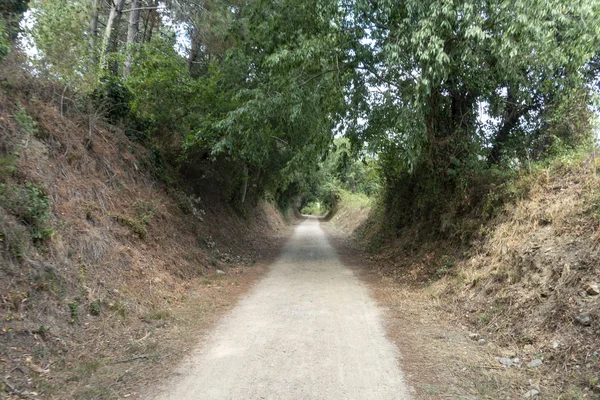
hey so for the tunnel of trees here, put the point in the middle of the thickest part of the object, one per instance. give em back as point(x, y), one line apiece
point(417, 100)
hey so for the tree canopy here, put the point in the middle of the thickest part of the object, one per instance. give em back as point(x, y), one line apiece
point(433, 88)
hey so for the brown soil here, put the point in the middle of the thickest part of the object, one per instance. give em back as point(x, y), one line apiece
point(130, 278)
point(523, 285)
point(439, 359)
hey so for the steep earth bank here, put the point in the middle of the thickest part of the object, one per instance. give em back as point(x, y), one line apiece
point(512, 313)
point(107, 273)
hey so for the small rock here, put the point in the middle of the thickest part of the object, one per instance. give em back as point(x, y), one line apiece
point(505, 361)
point(481, 342)
point(473, 336)
point(592, 289)
point(220, 272)
point(584, 319)
point(555, 345)
point(531, 394)
point(536, 362)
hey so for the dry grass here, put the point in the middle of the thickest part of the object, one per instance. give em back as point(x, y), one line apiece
point(127, 281)
point(519, 285)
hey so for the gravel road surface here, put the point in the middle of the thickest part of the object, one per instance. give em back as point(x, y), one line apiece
point(308, 330)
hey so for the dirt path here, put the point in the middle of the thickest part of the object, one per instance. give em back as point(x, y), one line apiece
point(308, 330)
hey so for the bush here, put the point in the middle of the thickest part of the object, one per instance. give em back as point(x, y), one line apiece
point(314, 208)
point(25, 122)
point(113, 98)
point(31, 204)
point(7, 167)
point(95, 308)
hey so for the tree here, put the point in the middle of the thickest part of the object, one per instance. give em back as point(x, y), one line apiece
point(441, 62)
point(59, 34)
point(11, 12)
point(132, 34)
point(109, 41)
point(285, 92)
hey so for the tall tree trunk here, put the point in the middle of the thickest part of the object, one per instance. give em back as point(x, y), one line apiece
point(194, 50)
point(146, 20)
point(132, 34)
point(94, 28)
point(153, 17)
point(109, 42)
point(512, 113)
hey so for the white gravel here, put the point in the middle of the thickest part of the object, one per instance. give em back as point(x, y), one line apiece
point(308, 330)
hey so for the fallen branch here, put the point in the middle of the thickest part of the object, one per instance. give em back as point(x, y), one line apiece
point(145, 356)
point(489, 367)
point(148, 334)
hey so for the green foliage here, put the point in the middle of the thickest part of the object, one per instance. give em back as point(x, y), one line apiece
point(446, 263)
point(10, 16)
point(279, 95)
point(42, 330)
point(63, 50)
point(353, 201)
point(7, 167)
point(112, 97)
point(12, 7)
point(143, 212)
point(345, 173)
point(27, 124)
point(95, 308)
point(440, 102)
point(314, 208)
point(162, 91)
point(31, 204)
point(475, 93)
point(13, 238)
point(445, 65)
point(74, 309)
point(4, 43)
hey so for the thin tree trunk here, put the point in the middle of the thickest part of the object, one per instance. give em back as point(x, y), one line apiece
point(94, 28)
point(245, 179)
point(193, 56)
point(153, 17)
point(109, 43)
point(146, 20)
point(132, 34)
point(510, 120)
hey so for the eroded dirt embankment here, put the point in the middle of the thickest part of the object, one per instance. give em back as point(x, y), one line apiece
point(513, 312)
point(107, 273)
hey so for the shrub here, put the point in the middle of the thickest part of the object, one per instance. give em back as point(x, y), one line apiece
point(95, 308)
point(13, 237)
point(314, 208)
point(25, 122)
point(113, 98)
point(74, 309)
point(31, 204)
point(7, 167)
